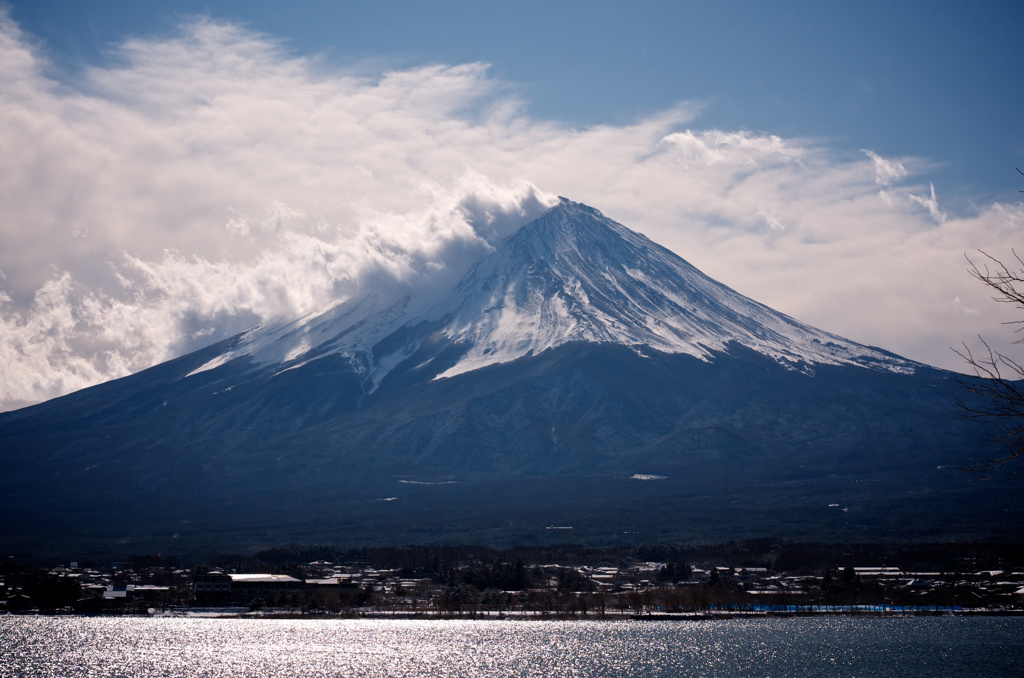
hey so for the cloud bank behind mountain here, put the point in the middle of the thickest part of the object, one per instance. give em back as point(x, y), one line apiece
point(202, 182)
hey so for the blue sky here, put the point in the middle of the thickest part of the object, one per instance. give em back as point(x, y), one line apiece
point(170, 168)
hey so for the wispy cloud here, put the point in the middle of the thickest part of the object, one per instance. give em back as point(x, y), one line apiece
point(207, 181)
point(886, 171)
point(930, 203)
point(960, 308)
point(770, 220)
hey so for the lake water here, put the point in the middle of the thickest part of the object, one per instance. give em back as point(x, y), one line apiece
point(95, 647)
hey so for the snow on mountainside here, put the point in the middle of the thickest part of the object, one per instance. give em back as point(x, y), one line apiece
point(575, 275)
point(571, 275)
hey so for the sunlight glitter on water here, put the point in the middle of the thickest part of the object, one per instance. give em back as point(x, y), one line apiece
point(135, 647)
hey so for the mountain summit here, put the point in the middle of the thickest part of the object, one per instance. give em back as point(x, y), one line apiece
point(579, 375)
point(573, 275)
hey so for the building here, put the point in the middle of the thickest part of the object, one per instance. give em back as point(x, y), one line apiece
point(218, 587)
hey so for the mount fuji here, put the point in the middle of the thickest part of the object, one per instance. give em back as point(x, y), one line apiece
point(578, 376)
point(572, 275)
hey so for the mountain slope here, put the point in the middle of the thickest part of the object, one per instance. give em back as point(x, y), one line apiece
point(579, 375)
point(571, 275)
point(575, 275)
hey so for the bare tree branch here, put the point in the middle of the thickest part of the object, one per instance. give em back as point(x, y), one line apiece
point(1000, 386)
point(1000, 278)
point(999, 381)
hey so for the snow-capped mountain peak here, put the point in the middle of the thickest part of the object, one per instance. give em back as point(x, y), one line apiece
point(573, 275)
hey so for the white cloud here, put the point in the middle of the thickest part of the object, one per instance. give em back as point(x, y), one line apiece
point(886, 171)
point(930, 203)
point(714, 147)
point(770, 220)
point(210, 180)
point(960, 308)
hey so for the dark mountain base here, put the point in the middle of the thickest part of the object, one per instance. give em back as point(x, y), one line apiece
point(595, 511)
point(620, 448)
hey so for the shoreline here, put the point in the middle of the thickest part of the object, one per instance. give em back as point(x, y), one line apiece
point(495, 615)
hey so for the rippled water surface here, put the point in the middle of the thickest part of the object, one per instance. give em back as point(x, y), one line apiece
point(91, 646)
